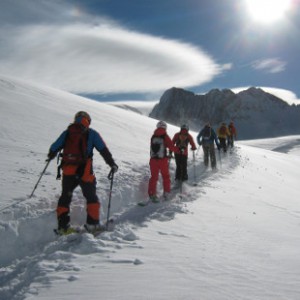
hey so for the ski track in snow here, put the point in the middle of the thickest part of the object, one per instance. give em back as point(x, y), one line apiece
point(41, 256)
point(241, 221)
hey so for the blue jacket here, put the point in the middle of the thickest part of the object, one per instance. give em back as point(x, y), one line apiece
point(94, 141)
point(207, 140)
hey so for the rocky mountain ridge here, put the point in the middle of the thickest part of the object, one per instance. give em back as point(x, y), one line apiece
point(256, 113)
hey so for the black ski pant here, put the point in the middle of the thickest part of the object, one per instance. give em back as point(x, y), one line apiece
point(181, 167)
point(69, 183)
point(223, 144)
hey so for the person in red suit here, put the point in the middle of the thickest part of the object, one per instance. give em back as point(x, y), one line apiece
point(159, 161)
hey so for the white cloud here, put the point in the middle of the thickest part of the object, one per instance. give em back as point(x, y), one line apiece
point(270, 65)
point(85, 58)
point(286, 95)
point(227, 67)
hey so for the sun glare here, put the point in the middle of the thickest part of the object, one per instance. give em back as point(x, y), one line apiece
point(268, 11)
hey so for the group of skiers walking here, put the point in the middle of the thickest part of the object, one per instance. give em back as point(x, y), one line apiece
point(78, 141)
point(159, 158)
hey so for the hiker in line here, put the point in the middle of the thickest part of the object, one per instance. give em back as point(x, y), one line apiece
point(182, 139)
point(206, 138)
point(160, 141)
point(78, 142)
point(232, 134)
point(223, 134)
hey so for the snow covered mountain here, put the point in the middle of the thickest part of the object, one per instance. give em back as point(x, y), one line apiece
point(233, 236)
point(256, 114)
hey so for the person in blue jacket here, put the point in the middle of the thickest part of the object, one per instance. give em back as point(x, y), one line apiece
point(207, 137)
point(78, 142)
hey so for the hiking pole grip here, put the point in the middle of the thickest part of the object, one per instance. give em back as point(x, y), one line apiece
point(110, 175)
point(43, 172)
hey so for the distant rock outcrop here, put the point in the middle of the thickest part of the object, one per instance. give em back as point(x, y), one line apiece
point(256, 114)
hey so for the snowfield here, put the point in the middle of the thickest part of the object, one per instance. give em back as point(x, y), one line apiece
point(235, 235)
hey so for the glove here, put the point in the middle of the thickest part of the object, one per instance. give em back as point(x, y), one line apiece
point(219, 147)
point(51, 155)
point(193, 149)
point(200, 143)
point(170, 156)
point(114, 168)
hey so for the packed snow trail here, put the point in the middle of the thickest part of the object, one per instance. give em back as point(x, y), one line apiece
point(39, 247)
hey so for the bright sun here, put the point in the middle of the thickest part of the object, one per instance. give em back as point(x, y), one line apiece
point(268, 11)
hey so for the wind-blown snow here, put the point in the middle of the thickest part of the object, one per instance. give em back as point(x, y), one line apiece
point(233, 236)
point(141, 107)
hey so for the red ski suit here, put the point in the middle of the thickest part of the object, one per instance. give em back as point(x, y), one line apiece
point(161, 165)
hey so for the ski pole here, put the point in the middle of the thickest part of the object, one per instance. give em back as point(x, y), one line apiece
point(111, 178)
point(181, 171)
point(198, 149)
point(194, 167)
point(220, 158)
point(47, 164)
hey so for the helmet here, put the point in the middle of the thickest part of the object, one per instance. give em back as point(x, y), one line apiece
point(82, 114)
point(185, 126)
point(161, 124)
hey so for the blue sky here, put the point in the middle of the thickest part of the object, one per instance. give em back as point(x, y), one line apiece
point(122, 48)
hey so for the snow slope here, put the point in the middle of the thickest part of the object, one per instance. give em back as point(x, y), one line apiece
point(233, 236)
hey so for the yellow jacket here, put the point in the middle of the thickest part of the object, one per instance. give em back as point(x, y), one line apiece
point(223, 132)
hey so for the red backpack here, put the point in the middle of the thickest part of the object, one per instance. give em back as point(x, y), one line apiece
point(223, 130)
point(75, 149)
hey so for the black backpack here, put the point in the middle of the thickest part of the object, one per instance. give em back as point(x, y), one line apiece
point(157, 147)
point(206, 133)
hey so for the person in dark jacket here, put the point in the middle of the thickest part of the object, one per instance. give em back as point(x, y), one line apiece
point(182, 139)
point(207, 137)
point(81, 173)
